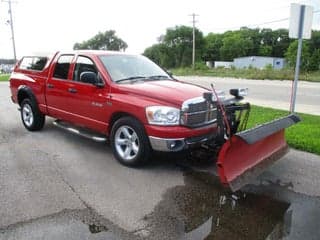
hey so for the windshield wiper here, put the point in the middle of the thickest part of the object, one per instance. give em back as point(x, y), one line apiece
point(158, 77)
point(130, 79)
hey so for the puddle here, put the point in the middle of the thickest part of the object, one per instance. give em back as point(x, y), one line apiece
point(203, 209)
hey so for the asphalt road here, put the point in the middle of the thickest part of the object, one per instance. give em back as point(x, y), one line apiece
point(54, 185)
point(268, 93)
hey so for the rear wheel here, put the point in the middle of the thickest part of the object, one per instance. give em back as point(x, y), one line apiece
point(31, 117)
point(129, 142)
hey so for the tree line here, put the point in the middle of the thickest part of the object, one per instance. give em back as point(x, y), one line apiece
point(174, 48)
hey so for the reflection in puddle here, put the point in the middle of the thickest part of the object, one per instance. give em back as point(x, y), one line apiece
point(203, 209)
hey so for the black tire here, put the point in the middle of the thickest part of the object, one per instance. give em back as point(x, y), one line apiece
point(131, 149)
point(31, 117)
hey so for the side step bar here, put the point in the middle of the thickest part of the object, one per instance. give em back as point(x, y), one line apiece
point(80, 131)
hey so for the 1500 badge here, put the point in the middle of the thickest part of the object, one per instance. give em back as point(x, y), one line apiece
point(96, 104)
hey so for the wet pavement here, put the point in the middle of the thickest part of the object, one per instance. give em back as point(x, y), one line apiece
point(304, 209)
point(200, 209)
point(203, 209)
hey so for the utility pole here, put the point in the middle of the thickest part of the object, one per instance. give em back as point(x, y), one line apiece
point(12, 32)
point(193, 38)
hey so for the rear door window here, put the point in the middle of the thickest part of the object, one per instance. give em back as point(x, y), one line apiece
point(62, 67)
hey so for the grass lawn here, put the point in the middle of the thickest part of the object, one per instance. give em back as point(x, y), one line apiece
point(304, 136)
point(4, 77)
point(284, 74)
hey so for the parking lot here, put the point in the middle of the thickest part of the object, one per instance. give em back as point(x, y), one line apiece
point(54, 185)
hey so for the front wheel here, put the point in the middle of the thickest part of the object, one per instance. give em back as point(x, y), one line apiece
point(31, 117)
point(129, 142)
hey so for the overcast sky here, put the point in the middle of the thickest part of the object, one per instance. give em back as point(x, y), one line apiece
point(43, 25)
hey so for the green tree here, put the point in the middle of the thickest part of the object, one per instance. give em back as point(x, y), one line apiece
point(315, 41)
point(291, 55)
point(160, 54)
point(314, 49)
point(254, 36)
point(281, 42)
point(234, 45)
point(278, 40)
point(175, 47)
point(179, 41)
point(213, 43)
point(103, 41)
point(314, 63)
point(265, 50)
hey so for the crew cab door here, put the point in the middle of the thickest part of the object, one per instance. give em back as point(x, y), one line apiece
point(88, 103)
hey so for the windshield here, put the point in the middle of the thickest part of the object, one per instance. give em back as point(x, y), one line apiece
point(131, 68)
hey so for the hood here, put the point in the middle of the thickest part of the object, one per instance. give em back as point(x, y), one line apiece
point(174, 92)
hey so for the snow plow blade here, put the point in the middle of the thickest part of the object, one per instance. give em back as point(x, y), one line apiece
point(248, 153)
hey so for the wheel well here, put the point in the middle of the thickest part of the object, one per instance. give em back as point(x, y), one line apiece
point(117, 116)
point(22, 95)
point(25, 92)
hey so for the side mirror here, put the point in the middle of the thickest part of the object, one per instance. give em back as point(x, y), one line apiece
point(91, 78)
point(88, 77)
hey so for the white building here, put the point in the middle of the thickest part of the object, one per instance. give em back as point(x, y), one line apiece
point(259, 62)
point(223, 64)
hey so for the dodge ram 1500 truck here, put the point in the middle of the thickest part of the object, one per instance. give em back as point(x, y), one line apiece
point(136, 105)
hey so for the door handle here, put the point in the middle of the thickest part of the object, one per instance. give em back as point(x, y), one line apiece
point(72, 90)
point(49, 85)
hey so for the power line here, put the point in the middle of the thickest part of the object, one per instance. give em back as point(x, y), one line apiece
point(274, 21)
point(266, 23)
point(257, 24)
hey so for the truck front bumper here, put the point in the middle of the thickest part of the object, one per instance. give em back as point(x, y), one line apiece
point(177, 138)
point(178, 144)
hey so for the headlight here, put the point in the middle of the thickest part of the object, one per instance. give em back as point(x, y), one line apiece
point(162, 115)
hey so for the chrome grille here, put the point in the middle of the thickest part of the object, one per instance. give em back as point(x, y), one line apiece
point(197, 112)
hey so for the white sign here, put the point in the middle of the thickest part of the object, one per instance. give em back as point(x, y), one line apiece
point(297, 17)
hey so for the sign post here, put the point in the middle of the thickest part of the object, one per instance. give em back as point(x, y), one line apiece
point(300, 28)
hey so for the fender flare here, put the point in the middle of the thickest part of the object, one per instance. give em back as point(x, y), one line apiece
point(25, 92)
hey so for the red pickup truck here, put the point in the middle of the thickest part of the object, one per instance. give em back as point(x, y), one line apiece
point(128, 100)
